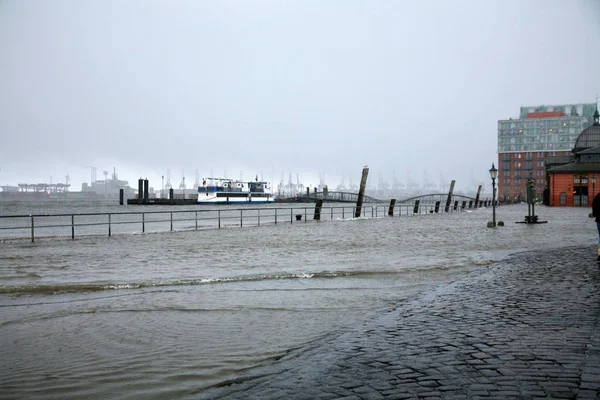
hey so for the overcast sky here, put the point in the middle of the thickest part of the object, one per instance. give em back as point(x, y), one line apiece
point(265, 87)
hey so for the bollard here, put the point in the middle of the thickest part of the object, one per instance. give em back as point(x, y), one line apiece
point(391, 209)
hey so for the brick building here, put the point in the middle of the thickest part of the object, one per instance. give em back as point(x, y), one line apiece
point(525, 143)
point(572, 179)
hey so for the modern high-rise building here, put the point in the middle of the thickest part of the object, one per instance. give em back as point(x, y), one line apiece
point(524, 143)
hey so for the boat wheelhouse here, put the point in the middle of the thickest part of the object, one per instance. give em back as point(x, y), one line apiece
point(231, 191)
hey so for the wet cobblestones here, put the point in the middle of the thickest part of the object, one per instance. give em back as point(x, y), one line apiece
point(523, 328)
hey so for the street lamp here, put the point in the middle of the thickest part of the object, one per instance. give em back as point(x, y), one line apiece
point(493, 175)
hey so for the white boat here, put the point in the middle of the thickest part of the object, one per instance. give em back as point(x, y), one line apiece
point(231, 191)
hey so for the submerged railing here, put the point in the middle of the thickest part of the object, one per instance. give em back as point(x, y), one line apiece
point(86, 224)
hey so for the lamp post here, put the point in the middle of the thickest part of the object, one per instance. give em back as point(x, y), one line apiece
point(493, 175)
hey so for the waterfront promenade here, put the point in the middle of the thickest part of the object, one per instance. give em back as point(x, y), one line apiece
point(527, 327)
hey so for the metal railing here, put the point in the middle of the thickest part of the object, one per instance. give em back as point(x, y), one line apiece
point(87, 224)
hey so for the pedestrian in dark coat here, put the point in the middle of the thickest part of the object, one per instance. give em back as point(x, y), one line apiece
point(596, 214)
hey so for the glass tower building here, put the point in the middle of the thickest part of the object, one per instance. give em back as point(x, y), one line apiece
point(524, 143)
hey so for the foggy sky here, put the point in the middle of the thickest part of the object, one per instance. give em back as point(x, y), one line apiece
point(266, 87)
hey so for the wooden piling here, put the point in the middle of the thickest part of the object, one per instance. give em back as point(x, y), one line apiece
point(449, 199)
point(140, 191)
point(318, 206)
point(416, 208)
point(391, 209)
point(121, 196)
point(146, 190)
point(464, 204)
point(455, 205)
point(477, 197)
point(437, 206)
point(361, 192)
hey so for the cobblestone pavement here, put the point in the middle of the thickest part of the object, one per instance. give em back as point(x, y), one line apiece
point(522, 328)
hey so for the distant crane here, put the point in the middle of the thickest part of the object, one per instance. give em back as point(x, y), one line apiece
point(92, 173)
point(182, 184)
point(168, 185)
point(299, 186)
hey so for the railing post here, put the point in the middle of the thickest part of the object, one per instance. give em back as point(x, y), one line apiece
point(143, 223)
point(196, 213)
point(72, 227)
point(32, 230)
point(219, 217)
point(171, 221)
point(109, 228)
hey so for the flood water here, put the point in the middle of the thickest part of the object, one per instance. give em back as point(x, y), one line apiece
point(170, 314)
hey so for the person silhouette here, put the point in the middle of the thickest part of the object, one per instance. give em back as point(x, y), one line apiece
point(596, 214)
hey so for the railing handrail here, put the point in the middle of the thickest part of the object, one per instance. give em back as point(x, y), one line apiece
point(270, 213)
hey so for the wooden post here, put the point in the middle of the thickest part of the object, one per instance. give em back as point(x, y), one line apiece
point(391, 209)
point(143, 223)
point(32, 230)
point(258, 216)
point(196, 214)
point(464, 204)
point(455, 205)
point(318, 206)
point(477, 197)
point(140, 191)
point(275, 216)
point(416, 209)
point(109, 227)
point(437, 206)
point(361, 192)
point(470, 204)
point(121, 195)
point(72, 227)
point(449, 199)
point(219, 218)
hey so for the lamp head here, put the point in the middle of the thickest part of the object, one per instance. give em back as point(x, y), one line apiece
point(493, 172)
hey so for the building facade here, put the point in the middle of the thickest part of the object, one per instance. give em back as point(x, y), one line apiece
point(525, 142)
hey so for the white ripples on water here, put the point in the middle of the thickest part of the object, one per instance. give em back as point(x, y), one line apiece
point(165, 315)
